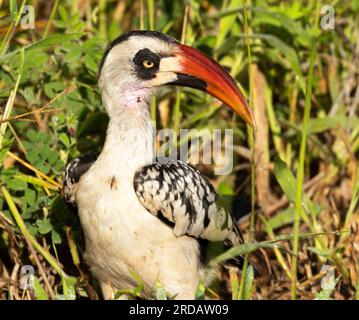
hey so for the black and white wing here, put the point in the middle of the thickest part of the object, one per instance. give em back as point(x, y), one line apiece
point(180, 196)
point(74, 170)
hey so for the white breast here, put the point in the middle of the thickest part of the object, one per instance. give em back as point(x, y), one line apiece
point(121, 234)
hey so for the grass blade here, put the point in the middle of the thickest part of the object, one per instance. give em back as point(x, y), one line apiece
point(300, 179)
point(251, 145)
point(248, 284)
point(11, 100)
point(226, 23)
point(49, 22)
point(13, 8)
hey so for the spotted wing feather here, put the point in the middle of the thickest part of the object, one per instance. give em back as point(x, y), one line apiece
point(180, 196)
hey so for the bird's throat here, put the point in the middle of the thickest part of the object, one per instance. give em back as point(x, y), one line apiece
point(129, 140)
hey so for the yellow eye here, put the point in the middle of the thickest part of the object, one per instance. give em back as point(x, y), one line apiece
point(147, 64)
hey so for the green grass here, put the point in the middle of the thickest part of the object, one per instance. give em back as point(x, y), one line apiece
point(247, 275)
point(300, 168)
point(303, 146)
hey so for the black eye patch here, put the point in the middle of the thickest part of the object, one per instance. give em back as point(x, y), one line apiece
point(140, 57)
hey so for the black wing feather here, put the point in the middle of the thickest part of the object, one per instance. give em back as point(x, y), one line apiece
point(74, 170)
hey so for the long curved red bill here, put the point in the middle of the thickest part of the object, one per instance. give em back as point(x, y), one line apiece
point(218, 81)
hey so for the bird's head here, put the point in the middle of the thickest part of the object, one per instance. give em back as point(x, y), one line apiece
point(139, 61)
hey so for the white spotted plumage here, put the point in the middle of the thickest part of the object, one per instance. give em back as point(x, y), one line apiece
point(196, 210)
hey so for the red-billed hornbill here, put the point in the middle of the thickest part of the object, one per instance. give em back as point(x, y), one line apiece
point(138, 214)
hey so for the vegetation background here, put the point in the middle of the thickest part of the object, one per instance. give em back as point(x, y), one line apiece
point(302, 81)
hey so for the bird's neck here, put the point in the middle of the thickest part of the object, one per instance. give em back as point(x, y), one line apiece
point(129, 139)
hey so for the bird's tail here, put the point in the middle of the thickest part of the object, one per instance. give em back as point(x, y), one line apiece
point(238, 262)
point(235, 239)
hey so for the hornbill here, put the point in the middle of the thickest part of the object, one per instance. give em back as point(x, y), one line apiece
point(138, 213)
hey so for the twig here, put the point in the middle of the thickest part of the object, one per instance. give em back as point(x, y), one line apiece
point(310, 280)
point(13, 281)
point(20, 116)
point(41, 269)
point(29, 166)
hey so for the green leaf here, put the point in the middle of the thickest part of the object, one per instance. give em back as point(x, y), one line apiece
point(54, 40)
point(32, 156)
point(78, 26)
point(200, 291)
point(5, 148)
point(320, 252)
point(68, 284)
point(135, 276)
point(160, 291)
point(29, 95)
point(30, 197)
point(45, 152)
point(17, 184)
point(40, 293)
point(43, 137)
point(318, 125)
point(64, 138)
point(242, 250)
point(226, 23)
point(121, 292)
point(32, 229)
point(43, 167)
point(46, 43)
point(74, 19)
point(63, 13)
point(290, 54)
point(281, 219)
point(53, 88)
point(44, 226)
point(58, 166)
point(73, 52)
point(90, 63)
point(35, 64)
point(13, 8)
point(32, 135)
point(225, 189)
point(55, 237)
point(248, 284)
point(288, 183)
point(52, 156)
point(285, 179)
point(264, 16)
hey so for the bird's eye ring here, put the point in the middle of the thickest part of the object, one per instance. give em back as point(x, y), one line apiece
point(148, 64)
